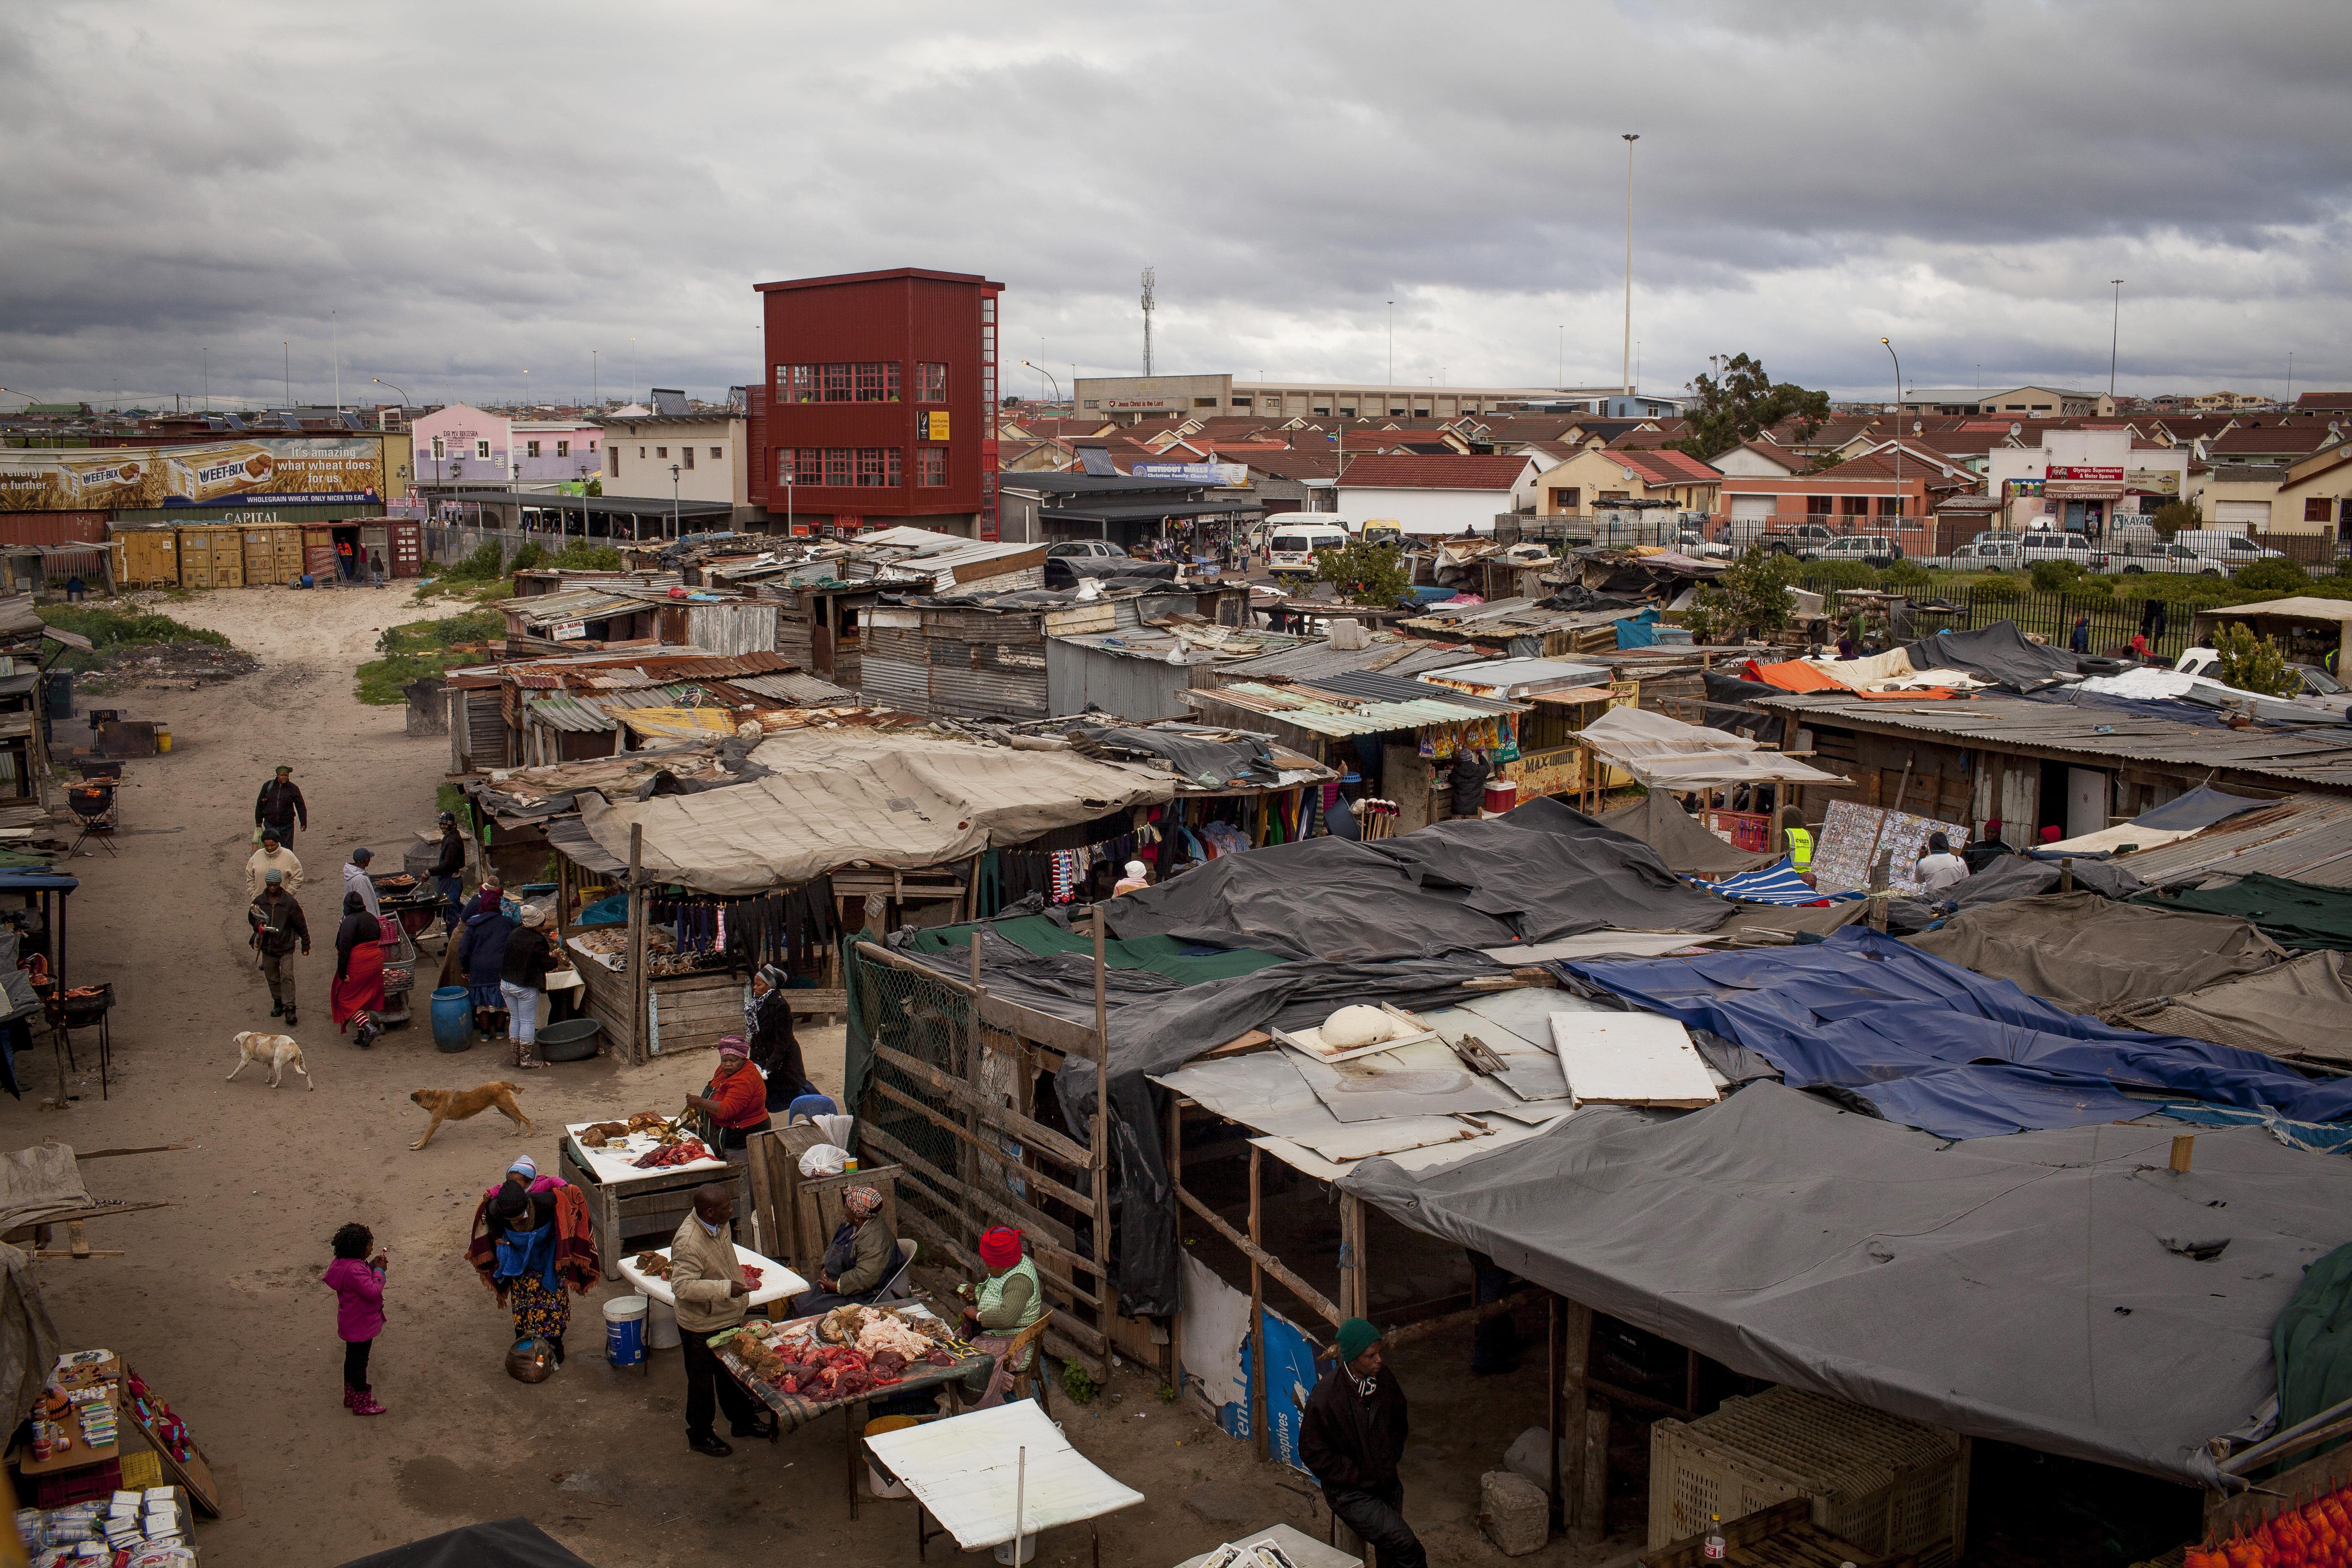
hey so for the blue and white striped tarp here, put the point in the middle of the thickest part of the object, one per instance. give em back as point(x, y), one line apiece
point(1773, 885)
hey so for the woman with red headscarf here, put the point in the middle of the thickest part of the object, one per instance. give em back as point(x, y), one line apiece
point(1011, 1298)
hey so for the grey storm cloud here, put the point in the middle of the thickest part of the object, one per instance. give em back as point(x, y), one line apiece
point(467, 200)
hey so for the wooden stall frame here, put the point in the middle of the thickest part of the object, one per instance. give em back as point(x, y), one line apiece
point(980, 1122)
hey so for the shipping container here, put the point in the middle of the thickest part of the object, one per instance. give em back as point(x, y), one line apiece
point(150, 556)
point(319, 553)
point(212, 555)
point(52, 527)
point(273, 554)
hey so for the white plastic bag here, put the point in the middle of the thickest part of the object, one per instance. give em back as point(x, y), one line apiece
point(825, 1160)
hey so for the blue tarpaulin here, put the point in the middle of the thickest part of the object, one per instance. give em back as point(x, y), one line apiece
point(1941, 1047)
point(1773, 885)
point(1639, 631)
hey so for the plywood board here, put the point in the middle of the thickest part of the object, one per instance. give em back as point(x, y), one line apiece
point(1631, 1059)
point(963, 1470)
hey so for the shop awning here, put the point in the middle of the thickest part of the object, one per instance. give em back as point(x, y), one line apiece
point(1667, 753)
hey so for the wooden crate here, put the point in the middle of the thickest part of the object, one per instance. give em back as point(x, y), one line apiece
point(796, 1215)
point(1892, 1486)
point(625, 1215)
point(694, 1012)
point(1781, 1536)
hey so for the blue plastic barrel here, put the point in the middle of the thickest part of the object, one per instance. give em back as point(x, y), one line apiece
point(453, 1018)
point(624, 1331)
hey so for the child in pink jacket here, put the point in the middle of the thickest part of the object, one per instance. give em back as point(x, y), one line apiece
point(357, 1282)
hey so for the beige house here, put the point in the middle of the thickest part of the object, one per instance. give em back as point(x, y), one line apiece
point(1597, 478)
point(696, 456)
point(2316, 496)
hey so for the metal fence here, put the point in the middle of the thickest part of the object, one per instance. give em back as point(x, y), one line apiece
point(450, 545)
point(2052, 616)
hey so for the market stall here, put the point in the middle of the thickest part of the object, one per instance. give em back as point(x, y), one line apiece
point(996, 1476)
point(809, 1367)
point(627, 1199)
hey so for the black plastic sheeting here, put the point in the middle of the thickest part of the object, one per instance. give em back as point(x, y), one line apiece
point(2200, 807)
point(1998, 653)
point(1957, 1285)
point(1541, 871)
point(500, 1543)
point(1727, 700)
point(1209, 758)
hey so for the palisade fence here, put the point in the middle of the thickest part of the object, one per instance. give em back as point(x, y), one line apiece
point(449, 545)
point(2050, 617)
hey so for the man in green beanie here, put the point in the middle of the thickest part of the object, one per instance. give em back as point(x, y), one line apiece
point(1351, 1438)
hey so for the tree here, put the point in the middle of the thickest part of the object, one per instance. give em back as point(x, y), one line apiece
point(1744, 402)
point(2056, 576)
point(2251, 663)
point(1367, 574)
point(1750, 599)
point(2172, 517)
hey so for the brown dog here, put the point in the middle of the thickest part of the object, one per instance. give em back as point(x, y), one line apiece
point(455, 1105)
point(276, 1052)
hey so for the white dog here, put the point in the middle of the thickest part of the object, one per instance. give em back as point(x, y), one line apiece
point(278, 1050)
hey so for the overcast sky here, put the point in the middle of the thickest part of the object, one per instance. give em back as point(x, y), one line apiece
point(475, 198)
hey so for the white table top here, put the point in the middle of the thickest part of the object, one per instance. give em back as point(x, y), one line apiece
point(1301, 1549)
point(610, 1164)
point(775, 1284)
point(962, 1470)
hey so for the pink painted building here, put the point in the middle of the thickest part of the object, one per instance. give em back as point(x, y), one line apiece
point(462, 445)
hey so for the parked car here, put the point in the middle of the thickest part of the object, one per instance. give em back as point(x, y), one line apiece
point(2133, 558)
point(1700, 547)
point(1876, 549)
point(1994, 555)
point(2057, 545)
point(1803, 540)
point(1068, 547)
point(1290, 547)
point(2224, 549)
point(2318, 689)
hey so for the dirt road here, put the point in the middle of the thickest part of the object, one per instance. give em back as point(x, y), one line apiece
point(217, 1302)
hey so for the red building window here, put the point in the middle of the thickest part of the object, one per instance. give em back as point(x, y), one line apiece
point(876, 380)
point(931, 468)
point(840, 466)
point(808, 466)
point(836, 382)
point(796, 383)
point(930, 382)
point(878, 468)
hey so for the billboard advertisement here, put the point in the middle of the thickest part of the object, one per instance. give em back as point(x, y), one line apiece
point(293, 470)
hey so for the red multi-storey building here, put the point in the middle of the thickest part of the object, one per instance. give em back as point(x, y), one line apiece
point(878, 405)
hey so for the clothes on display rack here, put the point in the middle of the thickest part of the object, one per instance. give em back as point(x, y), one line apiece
point(795, 929)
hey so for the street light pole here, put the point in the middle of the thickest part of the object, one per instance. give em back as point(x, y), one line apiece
point(1900, 497)
point(1049, 376)
point(1389, 395)
point(2114, 336)
point(1626, 369)
point(673, 500)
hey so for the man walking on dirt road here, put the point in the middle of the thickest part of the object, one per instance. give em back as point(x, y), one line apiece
point(279, 927)
point(279, 805)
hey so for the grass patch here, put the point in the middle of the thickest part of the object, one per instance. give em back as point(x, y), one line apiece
point(422, 648)
point(110, 630)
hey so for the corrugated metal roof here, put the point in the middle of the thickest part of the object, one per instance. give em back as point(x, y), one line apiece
point(1536, 674)
point(1395, 656)
point(570, 713)
point(2091, 729)
point(1379, 686)
point(1320, 712)
point(2306, 837)
point(796, 687)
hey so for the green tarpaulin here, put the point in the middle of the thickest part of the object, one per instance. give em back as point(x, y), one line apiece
point(2294, 914)
point(2312, 1342)
point(1184, 962)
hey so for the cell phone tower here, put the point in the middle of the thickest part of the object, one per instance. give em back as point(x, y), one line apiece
point(1148, 278)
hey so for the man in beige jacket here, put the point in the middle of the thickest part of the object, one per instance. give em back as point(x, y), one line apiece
point(272, 857)
point(708, 1285)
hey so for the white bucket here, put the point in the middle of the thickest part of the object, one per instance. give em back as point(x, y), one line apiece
point(880, 1485)
point(1027, 1546)
point(661, 1326)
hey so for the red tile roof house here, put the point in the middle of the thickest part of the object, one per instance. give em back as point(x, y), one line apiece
point(1438, 496)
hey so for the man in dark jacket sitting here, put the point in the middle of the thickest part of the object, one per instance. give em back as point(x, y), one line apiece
point(1351, 1438)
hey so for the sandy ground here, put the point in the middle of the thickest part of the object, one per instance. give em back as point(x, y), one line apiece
point(217, 1302)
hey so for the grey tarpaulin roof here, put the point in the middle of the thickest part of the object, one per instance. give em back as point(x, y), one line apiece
point(833, 796)
point(2089, 955)
point(2006, 1288)
point(1542, 870)
point(1686, 845)
point(2295, 1011)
